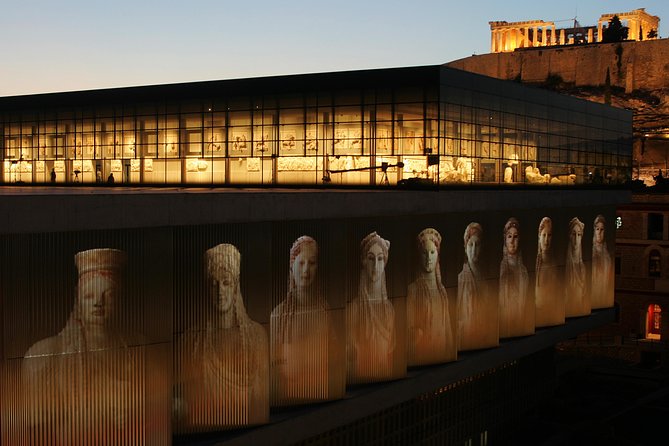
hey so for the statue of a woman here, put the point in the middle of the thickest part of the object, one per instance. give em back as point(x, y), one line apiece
point(478, 318)
point(516, 308)
point(601, 284)
point(370, 318)
point(223, 370)
point(549, 299)
point(577, 301)
point(307, 348)
point(431, 331)
point(85, 384)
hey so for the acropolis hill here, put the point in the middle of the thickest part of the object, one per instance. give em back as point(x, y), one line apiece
point(638, 72)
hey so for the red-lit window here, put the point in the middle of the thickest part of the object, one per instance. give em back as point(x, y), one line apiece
point(653, 322)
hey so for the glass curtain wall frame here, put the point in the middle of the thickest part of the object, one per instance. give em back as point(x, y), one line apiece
point(477, 136)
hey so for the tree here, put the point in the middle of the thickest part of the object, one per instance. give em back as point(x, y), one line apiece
point(615, 32)
point(652, 34)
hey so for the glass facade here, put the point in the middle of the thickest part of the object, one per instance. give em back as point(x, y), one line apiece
point(354, 128)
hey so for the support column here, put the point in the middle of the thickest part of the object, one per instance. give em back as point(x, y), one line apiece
point(492, 41)
point(600, 31)
point(526, 37)
point(562, 37)
point(523, 31)
point(554, 36)
point(535, 33)
point(590, 35)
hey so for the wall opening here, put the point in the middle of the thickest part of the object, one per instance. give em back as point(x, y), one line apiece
point(655, 226)
point(654, 264)
point(653, 322)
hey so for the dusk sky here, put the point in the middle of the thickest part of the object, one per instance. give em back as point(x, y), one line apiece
point(48, 46)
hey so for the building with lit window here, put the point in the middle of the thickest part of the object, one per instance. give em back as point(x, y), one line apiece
point(642, 284)
point(313, 314)
point(364, 128)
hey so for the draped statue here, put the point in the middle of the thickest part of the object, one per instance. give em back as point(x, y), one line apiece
point(307, 347)
point(370, 318)
point(431, 332)
point(223, 365)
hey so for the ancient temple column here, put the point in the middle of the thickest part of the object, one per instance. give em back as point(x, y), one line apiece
point(590, 35)
point(600, 32)
point(493, 47)
point(634, 29)
point(554, 36)
point(535, 33)
point(526, 39)
point(562, 37)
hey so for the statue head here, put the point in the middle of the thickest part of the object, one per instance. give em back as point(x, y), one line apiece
point(303, 262)
point(473, 238)
point(545, 234)
point(429, 245)
point(223, 267)
point(598, 231)
point(98, 285)
point(575, 236)
point(511, 237)
point(374, 256)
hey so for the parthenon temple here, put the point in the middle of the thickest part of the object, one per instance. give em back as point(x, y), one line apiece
point(508, 36)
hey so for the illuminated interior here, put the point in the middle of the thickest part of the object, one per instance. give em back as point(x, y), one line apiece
point(433, 123)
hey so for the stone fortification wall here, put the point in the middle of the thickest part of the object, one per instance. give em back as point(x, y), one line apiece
point(632, 65)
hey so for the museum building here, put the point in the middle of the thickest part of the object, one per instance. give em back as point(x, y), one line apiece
point(344, 128)
point(299, 315)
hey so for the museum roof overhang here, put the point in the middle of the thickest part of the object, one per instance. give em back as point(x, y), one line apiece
point(206, 90)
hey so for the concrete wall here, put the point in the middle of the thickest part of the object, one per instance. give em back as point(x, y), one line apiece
point(52, 209)
point(640, 65)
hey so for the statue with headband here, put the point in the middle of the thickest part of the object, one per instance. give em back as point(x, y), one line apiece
point(516, 308)
point(548, 298)
point(431, 331)
point(577, 300)
point(92, 369)
point(307, 345)
point(478, 321)
point(370, 319)
point(602, 279)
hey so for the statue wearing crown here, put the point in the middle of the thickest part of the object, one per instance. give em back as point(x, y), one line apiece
point(86, 383)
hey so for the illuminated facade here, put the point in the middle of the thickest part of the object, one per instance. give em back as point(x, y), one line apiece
point(161, 288)
point(362, 128)
point(191, 311)
point(508, 36)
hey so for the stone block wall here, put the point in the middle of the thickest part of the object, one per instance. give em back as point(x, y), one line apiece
point(632, 65)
